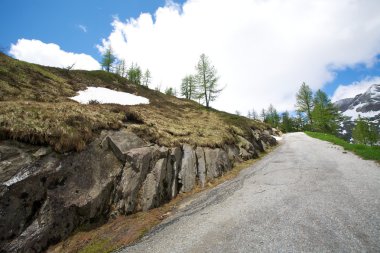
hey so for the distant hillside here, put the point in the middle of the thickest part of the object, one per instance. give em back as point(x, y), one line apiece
point(35, 108)
point(366, 105)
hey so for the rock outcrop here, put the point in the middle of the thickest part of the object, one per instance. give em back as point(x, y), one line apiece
point(45, 196)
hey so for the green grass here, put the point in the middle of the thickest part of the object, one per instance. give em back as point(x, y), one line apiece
point(366, 152)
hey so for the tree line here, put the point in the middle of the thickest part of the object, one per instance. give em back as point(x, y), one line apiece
point(315, 112)
point(202, 86)
point(134, 74)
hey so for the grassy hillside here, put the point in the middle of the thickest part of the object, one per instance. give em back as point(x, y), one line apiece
point(366, 152)
point(35, 108)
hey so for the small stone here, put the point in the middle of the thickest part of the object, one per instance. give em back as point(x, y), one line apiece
point(42, 152)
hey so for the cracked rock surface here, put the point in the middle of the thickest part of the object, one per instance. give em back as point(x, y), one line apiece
point(306, 196)
point(45, 196)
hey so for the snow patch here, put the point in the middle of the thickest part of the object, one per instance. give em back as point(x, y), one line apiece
point(355, 114)
point(107, 96)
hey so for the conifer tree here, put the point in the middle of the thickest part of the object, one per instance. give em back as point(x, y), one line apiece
point(146, 78)
point(207, 80)
point(305, 101)
point(134, 74)
point(108, 60)
point(364, 132)
point(189, 87)
point(286, 122)
point(325, 115)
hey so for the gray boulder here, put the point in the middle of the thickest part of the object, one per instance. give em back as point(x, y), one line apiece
point(137, 167)
point(233, 153)
point(217, 162)
point(122, 141)
point(153, 187)
point(246, 149)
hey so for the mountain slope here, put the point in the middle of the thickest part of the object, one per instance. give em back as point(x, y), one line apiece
point(35, 108)
point(131, 159)
point(367, 105)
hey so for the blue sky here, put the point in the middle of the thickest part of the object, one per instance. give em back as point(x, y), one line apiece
point(263, 51)
point(59, 21)
point(352, 74)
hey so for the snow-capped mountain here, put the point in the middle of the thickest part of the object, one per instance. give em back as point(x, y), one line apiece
point(367, 105)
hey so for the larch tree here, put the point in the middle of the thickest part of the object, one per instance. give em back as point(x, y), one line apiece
point(207, 80)
point(272, 117)
point(171, 91)
point(108, 60)
point(134, 74)
point(326, 117)
point(146, 78)
point(254, 114)
point(364, 132)
point(249, 115)
point(305, 101)
point(121, 68)
point(189, 87)
point(263, 115)
point(286, 122)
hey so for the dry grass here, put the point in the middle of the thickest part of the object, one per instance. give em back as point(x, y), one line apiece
point(65, 126)
point(35, 108)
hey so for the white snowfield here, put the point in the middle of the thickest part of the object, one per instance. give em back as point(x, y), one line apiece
point(355, 114)
point(107, 96)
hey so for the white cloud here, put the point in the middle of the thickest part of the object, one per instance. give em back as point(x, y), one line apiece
point(51, 54)
point(263, 50)
point(351, 90)
point(83, 28)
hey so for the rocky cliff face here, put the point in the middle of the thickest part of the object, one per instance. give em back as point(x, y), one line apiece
point(367, 105)
point(45, 195)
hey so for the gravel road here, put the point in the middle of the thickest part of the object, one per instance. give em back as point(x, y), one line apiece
point(306, 196)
